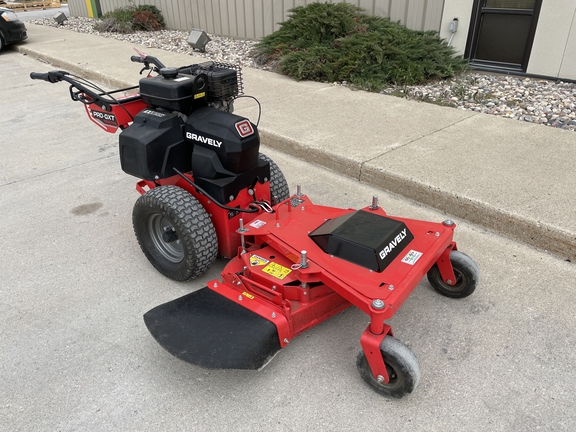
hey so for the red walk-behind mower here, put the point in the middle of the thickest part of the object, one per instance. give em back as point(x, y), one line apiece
point(206, 190)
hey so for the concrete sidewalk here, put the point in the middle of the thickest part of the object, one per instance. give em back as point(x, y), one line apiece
point(512, 177)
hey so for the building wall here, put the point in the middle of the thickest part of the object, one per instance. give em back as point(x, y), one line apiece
point(554, 49)
point(461, 9)
point(253, 19)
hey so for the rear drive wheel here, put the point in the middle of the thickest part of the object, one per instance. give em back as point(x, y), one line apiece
point(467, 276)
point(402, 367)
point(278, 185)
point(175, 232)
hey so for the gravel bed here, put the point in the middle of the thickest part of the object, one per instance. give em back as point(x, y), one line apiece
point(551, 103)
point(220, 49)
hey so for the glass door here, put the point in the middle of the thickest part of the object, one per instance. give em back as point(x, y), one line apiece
point(501, 33)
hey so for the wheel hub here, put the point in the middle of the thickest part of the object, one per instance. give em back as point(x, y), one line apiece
point(165, 238)
point(169, 235)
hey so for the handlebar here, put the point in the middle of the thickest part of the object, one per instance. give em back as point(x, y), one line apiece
point(52, 76)
point(147, 60)
point(78, 90)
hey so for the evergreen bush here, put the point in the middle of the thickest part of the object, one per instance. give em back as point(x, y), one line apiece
point(337, 42)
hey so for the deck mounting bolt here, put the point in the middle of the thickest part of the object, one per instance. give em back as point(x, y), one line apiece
point(391, 287)
point(240, 297)
point(304, 259)
point(298, 190)
point(448, 223)
point(241, 223)
point(378, 304)
point(273, 314)
point(285, 340)
point(374, 205)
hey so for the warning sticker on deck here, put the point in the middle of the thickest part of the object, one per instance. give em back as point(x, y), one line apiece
point(276, 270)
point(257, 260)
point(411, 257)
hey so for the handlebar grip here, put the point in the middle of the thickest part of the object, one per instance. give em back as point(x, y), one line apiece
point(39, 76)
point(52, 76)
point(137, 59)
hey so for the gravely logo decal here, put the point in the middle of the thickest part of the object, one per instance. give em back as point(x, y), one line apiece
point(397, 240)
point(244, 128)
point(203, 139)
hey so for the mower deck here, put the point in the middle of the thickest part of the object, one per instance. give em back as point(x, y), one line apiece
point(268, 294)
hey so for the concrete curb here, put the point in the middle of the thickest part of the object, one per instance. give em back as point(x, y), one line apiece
point(111, 83)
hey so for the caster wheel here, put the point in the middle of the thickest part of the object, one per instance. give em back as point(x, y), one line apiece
point(402, 367)
point(467, 276)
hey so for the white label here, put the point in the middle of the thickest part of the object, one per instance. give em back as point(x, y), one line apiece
point(411, 257)
point(257, 223)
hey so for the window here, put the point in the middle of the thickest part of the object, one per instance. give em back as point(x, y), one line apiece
point(510, 4)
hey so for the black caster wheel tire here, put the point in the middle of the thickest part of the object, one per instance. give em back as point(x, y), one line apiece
point(402, 367)
point(467, 276)
point(175, 232)
point(278, 185)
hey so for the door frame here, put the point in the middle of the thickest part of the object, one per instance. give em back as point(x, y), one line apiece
point(474, 30)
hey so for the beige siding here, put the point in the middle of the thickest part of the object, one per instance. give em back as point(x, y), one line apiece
point(78, 8)
point(254, 19)
point(555, 40)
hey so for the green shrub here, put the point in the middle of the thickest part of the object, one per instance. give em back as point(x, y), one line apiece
point(131, 18)
point(114, 25)
point(336, 42)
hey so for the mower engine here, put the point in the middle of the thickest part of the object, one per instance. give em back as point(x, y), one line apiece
point(180, 130)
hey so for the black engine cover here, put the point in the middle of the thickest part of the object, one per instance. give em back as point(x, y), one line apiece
point(225, 158)
point(367, 239)
point(153, 145)
point(232, 138)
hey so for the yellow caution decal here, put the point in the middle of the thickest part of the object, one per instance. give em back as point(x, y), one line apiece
point(276, 270)
point(256, 260)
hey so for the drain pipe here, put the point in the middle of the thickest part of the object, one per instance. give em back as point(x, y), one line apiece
point(453, 30)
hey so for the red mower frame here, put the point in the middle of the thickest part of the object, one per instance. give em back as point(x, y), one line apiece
point(293, 264)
